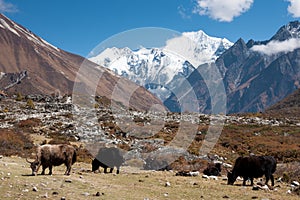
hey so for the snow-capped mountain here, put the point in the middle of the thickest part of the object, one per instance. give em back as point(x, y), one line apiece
point(162, 69)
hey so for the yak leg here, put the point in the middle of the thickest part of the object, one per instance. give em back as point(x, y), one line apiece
point(251, 179)
point(272, 179)
point(111, 170)
point(244, 180)
point(68, 170)
point(118, 170)
point(268, 176)
point(43, 170)
point(50, 170)
point(105, 170)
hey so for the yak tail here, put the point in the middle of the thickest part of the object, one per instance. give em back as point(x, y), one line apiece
point(74, 158)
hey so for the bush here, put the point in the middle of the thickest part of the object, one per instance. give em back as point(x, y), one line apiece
point(15, 143)
point(30, 104)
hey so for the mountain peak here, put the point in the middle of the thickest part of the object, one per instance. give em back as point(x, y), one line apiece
point(288, 31)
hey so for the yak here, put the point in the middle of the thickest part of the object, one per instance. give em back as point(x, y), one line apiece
point(108, 157)
point(213, 169)
point(253, 167)
point(48, 155)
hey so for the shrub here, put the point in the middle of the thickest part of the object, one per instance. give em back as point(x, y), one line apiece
point(30, 104)
point(19, 97)
point(15, 143)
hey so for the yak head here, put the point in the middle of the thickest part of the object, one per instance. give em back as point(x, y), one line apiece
point(34, 166)
point(95, 164)
point(230, 178)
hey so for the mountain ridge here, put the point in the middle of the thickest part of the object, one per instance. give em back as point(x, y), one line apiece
point(52, 70)
point(253, 80)
point(159, 69)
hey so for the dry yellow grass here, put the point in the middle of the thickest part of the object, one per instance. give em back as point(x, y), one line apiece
point(131, 183)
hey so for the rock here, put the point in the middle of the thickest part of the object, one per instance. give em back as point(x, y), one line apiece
point(213, 178)
point(194, 173)
point(205, 176)
point(25, 190)
point(34, 189)
point(1, 156)
point(225, 197)
point(258, 187)
point(167, 184)
point(86, 194)
point(45, 195)
point(265, 187)
point(99, 194)
point(295, 183)
point(68, 181)
point(54, 193)
point(63, 198)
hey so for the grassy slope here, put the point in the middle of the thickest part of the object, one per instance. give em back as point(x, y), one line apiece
point(130, 184)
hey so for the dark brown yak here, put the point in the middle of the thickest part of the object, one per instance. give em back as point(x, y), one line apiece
point(53, 155)
point(253, 167)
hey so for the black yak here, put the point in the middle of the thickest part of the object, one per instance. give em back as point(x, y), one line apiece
point(108, 157)
point(53, 155)
point(253, 167)
point(213, 169)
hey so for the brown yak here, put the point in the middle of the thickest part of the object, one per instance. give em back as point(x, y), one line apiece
point(53, 155)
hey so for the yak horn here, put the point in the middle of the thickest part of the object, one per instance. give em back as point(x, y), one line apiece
point(28, 161)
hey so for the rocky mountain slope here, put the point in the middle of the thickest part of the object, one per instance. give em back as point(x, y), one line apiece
point(50, 70)
point(256, 74)
point(159, 69)
point(288, 107)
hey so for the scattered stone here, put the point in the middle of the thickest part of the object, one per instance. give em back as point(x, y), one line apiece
point(205, 176)
point(194, 173)
point(86, 194)
point(213, 178)
point(258, 187)
point(54, 193)
point(167, 184)
point(166, 194)
point(295, 183)
point(224, 178)
point(254, 197)
point(1, 156)
point(99, 194)
point(68, 181)
point(225, 197)
point(25, 190)
point(34, 189)
point(45, 195)
point(63, 198)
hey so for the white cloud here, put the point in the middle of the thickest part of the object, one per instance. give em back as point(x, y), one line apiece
point(7, 7)
point(294, 8)
point(183, 12)
point(275, 47)
point(222, 10)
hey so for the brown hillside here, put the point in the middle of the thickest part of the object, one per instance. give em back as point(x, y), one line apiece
point(51, 70)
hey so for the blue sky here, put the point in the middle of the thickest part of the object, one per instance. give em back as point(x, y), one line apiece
point(79, 26)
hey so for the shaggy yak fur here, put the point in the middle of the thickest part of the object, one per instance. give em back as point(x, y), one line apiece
point(53, 155)
point(253, 167)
